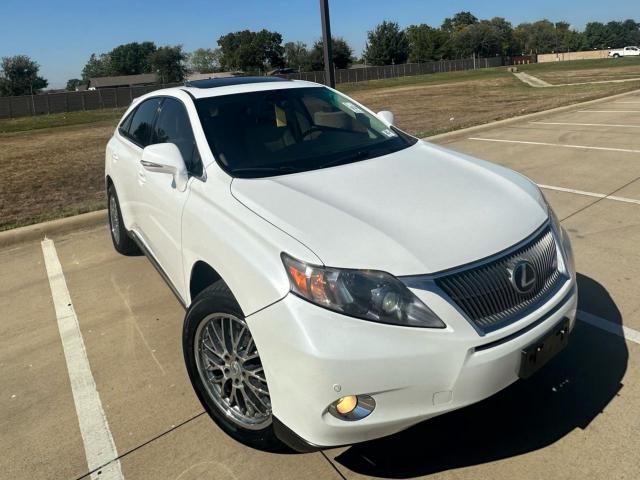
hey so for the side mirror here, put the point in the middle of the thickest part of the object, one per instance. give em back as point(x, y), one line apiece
point(166, 158)
point(387, 117)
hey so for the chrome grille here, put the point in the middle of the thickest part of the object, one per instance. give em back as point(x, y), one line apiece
point(485, 292)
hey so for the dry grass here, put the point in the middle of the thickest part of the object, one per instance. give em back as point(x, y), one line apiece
point(595, 75)
point(435, 108)
point(586, 70)
point(49, 172)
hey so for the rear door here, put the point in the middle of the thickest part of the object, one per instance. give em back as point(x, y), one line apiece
point(133, 135)
point(161, 212)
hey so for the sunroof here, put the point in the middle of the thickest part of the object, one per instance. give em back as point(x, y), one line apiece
point(225, 82)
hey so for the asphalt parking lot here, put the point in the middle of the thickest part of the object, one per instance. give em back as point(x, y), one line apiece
point(577, 418)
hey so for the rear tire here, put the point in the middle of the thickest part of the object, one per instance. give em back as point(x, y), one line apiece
point(226, 371)
point(122, 242)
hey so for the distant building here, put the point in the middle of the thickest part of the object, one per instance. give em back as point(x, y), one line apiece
point(123, 81)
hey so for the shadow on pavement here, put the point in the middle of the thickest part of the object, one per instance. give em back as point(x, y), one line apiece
point(567, 394)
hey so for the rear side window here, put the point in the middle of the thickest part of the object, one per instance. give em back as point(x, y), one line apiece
point(173, 126)
point(126, 124)
point(142, 122)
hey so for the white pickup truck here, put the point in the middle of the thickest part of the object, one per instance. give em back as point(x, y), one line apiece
point(624, 52)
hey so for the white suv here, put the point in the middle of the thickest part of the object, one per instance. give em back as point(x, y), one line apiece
point(343, 280)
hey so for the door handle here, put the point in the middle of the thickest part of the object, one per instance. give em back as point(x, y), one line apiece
point(115, 157)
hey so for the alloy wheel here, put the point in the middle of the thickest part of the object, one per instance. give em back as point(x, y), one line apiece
point(114, 220)
point(230, 368)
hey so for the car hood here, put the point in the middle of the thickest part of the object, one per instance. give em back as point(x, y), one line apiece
point(420, 210)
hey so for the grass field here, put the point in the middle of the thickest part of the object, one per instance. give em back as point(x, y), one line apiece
point(108, 116)
point(52, 166)
point(585, 70)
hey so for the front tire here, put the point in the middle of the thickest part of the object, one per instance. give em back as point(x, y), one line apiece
point(225, 369)
point(122, 242)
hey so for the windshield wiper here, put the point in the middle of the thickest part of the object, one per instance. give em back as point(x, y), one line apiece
point(278, 169)
point(359, 155)
point(353, 157)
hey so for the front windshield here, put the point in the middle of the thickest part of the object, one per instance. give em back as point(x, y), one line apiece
point(275, 132)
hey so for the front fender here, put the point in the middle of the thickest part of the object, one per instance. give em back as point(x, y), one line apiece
point(242, 247)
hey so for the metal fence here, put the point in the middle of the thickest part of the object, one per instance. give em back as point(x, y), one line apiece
point(24, 106)
point(403, 70)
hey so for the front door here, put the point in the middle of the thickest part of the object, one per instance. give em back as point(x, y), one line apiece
point(161, 212)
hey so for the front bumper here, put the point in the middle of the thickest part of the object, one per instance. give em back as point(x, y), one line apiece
point(313, 356)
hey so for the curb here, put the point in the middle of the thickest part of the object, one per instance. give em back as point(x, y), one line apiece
point(54, 227)
point(507, 121)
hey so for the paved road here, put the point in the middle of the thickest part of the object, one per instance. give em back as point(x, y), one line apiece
point(578, 418)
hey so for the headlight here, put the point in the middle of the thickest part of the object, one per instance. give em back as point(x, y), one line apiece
point(564, 242)
point(365, 294)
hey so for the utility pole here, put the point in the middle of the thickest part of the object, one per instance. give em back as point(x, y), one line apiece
point(330, 75)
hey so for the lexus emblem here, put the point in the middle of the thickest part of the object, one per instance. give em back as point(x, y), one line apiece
point(523, 276)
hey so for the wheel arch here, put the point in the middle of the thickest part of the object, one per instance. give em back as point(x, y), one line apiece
point(202, 275)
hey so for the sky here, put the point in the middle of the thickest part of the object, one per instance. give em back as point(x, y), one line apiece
point(61, 35)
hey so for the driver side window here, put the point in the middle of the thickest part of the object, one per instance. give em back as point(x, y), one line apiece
point(173, 126)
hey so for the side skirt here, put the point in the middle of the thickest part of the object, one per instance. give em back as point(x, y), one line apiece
point(157, 266)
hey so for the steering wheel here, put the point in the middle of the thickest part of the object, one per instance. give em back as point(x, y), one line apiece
point(311, 130)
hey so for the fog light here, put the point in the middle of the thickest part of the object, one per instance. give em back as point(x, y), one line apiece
point(352, 407)
point(347, 404)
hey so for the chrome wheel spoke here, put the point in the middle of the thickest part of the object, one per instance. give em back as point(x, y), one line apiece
point(238, 338)
point(216, 345)
point(250, 357)
point(256, 389)
point(256, 377)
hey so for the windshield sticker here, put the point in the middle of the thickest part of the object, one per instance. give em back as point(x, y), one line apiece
point(281, 117)
point(389, 133)
point(352, 107)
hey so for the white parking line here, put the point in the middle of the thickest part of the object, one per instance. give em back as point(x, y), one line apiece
point(590, 194)
point(587, 124)
point(99, 447)
point(609, 111)
point(608, 326)
point(609, 149)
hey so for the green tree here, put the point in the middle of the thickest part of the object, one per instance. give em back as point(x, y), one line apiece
point(386, 45)
point(131, 58)
point(632, 29)
point(74, 83)
point(425, 43)
point(504, 30)
point(480, 39)
point(251, 51)
point(97, 66)
point(342, 54)
point(296, 55)
point(568, 40)
point(169, 63)
point(459, 21)
point(19, 76)
point(205, 60)
point(537, 37)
